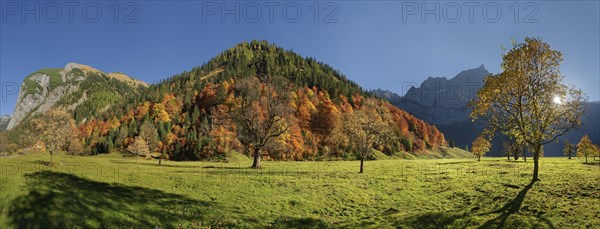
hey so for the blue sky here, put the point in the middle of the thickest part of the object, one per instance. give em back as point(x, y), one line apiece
point(378, 44)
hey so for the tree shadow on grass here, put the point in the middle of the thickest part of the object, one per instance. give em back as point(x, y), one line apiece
point(290, 222)
point(508, 209)
point(59, 200)
point(436, 220)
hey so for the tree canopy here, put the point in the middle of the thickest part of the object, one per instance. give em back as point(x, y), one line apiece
point(528, 100)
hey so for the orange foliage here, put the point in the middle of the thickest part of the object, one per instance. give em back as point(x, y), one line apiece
point(142, 110)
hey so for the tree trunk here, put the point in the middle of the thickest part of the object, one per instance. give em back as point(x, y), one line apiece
point(585, 158)
point(362, 163)
point(569, 156)
point(536, 158)
point(51, 154)
point(478, 158)
point(524, 157)
point(159, 161)
point(256, 163)
point(508, 157)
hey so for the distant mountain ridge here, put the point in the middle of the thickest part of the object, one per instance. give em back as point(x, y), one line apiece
point(444, 103)
point(440, 100)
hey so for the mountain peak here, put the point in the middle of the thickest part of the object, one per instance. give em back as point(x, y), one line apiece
point(115, 75)
point(85, 68)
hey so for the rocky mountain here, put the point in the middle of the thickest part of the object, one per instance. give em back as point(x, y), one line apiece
point(4, 120)
point(440, 100)
point(80, 88)
point(443, 102)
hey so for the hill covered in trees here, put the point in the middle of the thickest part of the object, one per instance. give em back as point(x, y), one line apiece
point(252, 98)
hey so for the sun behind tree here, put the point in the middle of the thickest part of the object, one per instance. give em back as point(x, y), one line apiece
point(521, 101)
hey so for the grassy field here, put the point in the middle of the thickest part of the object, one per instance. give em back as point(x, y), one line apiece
point(110, 191)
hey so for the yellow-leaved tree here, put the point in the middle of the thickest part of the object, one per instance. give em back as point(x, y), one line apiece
point(366, 128)
point(528, 100)
point(585, 148)
point(480, 147)
point(56, 128)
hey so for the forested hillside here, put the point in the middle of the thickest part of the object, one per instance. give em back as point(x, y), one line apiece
point(253, 97)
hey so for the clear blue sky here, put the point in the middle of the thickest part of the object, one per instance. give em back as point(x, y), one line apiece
point(370, 43)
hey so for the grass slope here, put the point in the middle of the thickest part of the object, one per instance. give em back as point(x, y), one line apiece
point(111, 191)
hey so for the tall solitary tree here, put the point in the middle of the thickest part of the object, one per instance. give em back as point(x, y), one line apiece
point(139, 147)
point(569, 148)
point(261, 114)
point(55, 128)
point(366, 128)
point(528, 101)
point(480, 146)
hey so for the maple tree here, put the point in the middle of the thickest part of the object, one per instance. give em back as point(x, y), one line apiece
point(260, 115)
point(366, 128)
point(585, 148)
point(480, 147)
point(528, 101)
point(55, 127)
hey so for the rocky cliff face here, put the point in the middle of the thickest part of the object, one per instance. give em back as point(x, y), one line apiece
point(440, 100)
point(46, 88)
point(4, 120)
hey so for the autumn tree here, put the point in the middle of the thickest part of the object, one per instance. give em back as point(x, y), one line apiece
point(260, 113)
point(55, 128)
point(569, 148)
point(139, 147)
point(480, 147)
point(366, 128)
point(528, 101)
point(586, 148)
point(159, 113)
point(74, 146)
point(513, 148)
point(325, 120)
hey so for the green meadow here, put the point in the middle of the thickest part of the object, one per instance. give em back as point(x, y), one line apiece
point(112, 191)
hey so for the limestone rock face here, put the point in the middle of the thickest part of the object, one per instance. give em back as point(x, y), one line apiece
point(4, 120)
point(444, 101)
point(43, 89)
